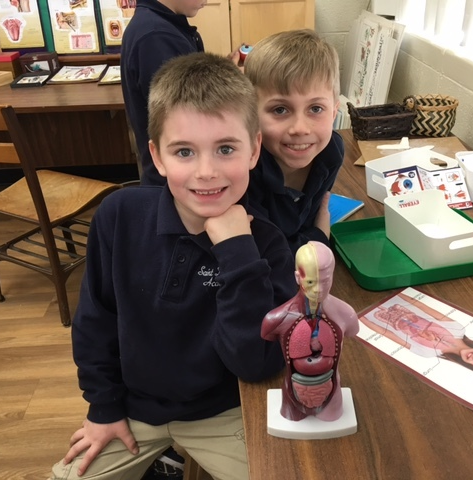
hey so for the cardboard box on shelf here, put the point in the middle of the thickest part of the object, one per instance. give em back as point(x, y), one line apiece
point(6, 78)
point(39, 62)
point(9, 62)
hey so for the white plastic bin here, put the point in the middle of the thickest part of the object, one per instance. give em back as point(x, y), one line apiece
point(427, 230)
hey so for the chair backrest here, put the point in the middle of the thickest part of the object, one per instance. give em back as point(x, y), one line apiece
point(50, 200)
point(8, 154)
point(26, 155)
point(53, 205)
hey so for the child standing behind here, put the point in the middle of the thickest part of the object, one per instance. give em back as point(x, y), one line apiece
point(157, 32)
point(297, 79)
point(177, 282)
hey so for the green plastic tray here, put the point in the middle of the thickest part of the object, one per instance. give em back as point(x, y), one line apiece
point(377, 264)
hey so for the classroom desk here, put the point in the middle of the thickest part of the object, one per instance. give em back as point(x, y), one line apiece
point(407, 430)
point(72, 125)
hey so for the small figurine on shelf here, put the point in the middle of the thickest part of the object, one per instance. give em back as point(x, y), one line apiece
point(310, 328)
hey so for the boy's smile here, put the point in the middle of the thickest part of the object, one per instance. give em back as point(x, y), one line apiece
point(206, 160)
point(298, 126)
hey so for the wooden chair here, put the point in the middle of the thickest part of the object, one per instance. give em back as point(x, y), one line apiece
point(50, 201)
point(192, 470)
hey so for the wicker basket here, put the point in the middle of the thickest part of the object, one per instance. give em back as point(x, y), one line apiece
point(435, 114)
point(389, 121)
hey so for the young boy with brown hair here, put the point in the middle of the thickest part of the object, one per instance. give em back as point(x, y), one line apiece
point(177, 282)
point(297, 79)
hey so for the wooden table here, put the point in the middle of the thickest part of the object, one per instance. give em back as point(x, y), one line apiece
point(407, 430)
point(71, 125)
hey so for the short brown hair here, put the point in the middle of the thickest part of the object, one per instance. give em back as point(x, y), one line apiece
point(208, 83)
point(293, 59)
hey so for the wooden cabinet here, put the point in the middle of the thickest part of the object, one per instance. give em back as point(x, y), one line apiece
point(226, 24)
point(213, 24)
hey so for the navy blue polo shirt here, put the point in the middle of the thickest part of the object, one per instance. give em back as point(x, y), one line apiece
point(154, 35)
point(291, 210)
point(166, 321)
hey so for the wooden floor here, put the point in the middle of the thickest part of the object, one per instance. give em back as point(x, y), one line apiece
point(40, 402)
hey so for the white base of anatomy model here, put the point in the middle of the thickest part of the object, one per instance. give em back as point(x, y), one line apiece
point(310, 428)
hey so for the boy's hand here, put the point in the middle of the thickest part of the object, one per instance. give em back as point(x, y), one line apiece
point(94, 437)
point(235, 58)
point(322, 220)
point(235, 221)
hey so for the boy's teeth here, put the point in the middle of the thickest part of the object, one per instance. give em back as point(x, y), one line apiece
point(208, 192)
point(299, 147)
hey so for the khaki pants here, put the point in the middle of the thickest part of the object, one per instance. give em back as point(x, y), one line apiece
point(216, 443)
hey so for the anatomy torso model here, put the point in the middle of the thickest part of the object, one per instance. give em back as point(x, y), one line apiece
point(310, 328)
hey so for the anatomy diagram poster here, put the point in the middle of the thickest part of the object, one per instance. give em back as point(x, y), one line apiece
point(20, 24)
point(115, 17)
point(74, 26)
point(433, 339)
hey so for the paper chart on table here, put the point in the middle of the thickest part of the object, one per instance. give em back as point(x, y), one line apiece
point(420, 332)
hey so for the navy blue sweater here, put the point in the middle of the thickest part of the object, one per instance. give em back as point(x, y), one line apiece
point(293, 211)
point(166, 321)
point(154, 35)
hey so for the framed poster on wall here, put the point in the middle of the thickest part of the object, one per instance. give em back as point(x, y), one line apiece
point(20, 25)
point(74, 26)
point(115, 16)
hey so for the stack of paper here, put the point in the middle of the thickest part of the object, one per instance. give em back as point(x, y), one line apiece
point(372, 47)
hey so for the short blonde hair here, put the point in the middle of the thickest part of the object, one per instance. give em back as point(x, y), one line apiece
point(293, 60)
point(205, 82)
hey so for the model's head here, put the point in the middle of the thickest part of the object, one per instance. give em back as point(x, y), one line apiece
point(293, 60)
point(464, 357)
point(205, 83)
point(315, 264)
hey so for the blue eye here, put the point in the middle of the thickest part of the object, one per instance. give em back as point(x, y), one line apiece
point(184, 152)
point(226, 149)
point(279, 110)
point(316, 109)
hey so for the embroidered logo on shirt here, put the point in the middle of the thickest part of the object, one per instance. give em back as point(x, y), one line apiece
point(210, 274)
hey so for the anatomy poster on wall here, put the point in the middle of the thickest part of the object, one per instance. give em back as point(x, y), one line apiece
point(20, 24)
point(74, 26)
point(429, 337)
point(370, 55)
point(115, 17)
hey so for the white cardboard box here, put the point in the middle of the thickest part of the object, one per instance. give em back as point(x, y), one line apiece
point(411, 171)
point(465, 160)
point(427, 230)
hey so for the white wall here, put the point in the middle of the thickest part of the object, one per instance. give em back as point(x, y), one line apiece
point(421, 68)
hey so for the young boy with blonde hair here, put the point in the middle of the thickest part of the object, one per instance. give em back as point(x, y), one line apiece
point(297, 79)
point(177, 282)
